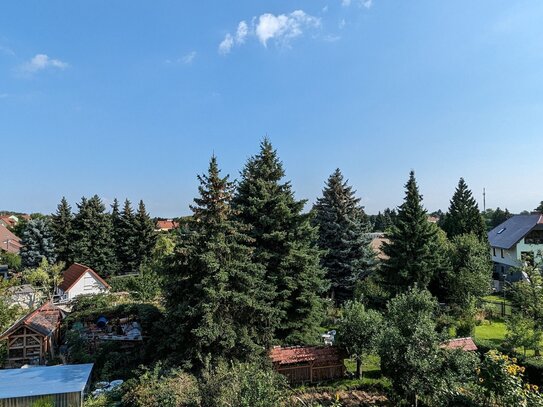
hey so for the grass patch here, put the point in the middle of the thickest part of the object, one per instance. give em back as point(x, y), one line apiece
point(494, 332)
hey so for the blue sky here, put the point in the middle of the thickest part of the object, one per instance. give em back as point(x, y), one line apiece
point(130, 98)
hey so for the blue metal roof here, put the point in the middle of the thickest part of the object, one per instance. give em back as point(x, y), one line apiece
point(512, 230)
point(44, 380)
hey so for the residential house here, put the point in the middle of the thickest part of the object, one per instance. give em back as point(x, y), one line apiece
point(8, 241)
point(9, 220)
point(60, 385)
point(79, 279)
point(308, 364)
point(34, 337)
point(166, 225)
point(517, 241)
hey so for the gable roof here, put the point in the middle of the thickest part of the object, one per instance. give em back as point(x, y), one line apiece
point(507, 234)
point(44, 320)
point(74, 273)
point(44, 380)
point(166, 224)
point(459, 343)
point(303, 354)
point(8, 241)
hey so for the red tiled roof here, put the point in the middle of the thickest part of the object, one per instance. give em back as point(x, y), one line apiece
point(325, 355)
point(166, 224)
point(459, 343)
point(8, 241)
point(74, 273)
point(44, 320)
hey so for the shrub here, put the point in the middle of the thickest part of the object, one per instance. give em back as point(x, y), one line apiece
point(161, 387)
point(243, 385)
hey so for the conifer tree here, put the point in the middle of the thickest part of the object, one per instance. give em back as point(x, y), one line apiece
point(37, 243)
point(144, 235)
point(464, 216)
point(93, 243)
point(217, 299)
point(343, 237)
point(61, 228)
point(126, 236)
point(411, 253)
point(284, 243)
point(539, 208)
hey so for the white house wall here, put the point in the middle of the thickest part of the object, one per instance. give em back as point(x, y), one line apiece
point(87, 284)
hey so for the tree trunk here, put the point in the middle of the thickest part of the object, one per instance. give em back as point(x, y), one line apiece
point(358, 368)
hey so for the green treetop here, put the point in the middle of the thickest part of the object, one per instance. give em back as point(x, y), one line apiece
point(61, 228)
point(411, 253)
point(343, 237)
point(284, 243)
point(217, 298)
point(464, 216)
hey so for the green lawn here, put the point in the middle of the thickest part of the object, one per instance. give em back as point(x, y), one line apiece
point(494, 332)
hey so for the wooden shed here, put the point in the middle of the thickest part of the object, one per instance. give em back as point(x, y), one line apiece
point(302, 364)
point(61, 386)
point(33, 338)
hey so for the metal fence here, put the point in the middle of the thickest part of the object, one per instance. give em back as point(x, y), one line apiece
point(498, 308)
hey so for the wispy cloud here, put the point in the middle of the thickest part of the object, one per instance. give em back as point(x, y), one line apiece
point(230, 40)
point(3, 95)
point(41, 62)
point(281, 29)
point(361, 3)
point(189, 58)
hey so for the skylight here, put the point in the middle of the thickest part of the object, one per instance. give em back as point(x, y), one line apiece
point(501, 230)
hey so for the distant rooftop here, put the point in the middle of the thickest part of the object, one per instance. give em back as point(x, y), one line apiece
point(44, 380)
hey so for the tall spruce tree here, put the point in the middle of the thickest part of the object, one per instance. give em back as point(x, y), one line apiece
point(217, 298)
point(61, 228)
point(37, 243)
point(412, 255)
point(126, 237)
point(144, 235)
point(343, 237)
point(284, 243)
point(93, 243)
point(539, 208)
point(464, 216)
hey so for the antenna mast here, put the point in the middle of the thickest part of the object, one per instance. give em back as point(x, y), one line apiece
point(484, 200)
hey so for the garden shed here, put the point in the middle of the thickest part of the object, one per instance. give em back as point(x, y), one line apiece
point(33, 338)
point(61, 386)
point(308, 363)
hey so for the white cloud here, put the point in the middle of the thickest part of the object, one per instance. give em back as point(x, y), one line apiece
point(226, 45)
point(243, 31)
point(283, 27)
point(325, 9)
point(342, 24)
point(3, 95)
point(345, 3)
point(189, 58)
point(42, 61)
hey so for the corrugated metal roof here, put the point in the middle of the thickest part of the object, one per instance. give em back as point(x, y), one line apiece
point(512, 230)
point(44, 380)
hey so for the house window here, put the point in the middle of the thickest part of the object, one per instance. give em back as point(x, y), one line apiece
point(501, 253)
point(494, 251)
